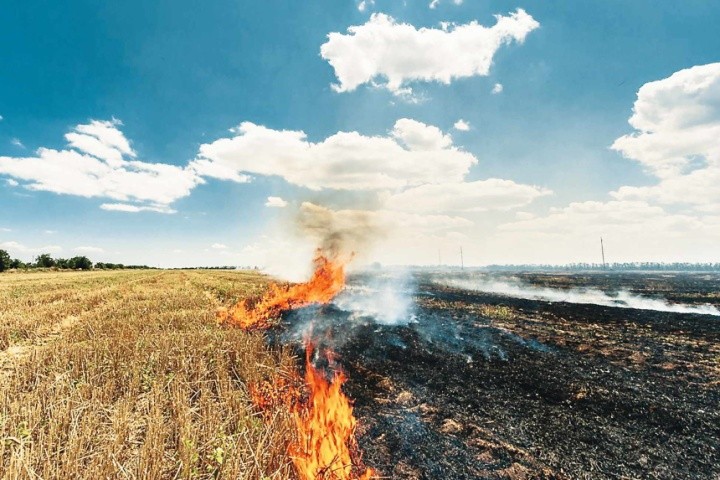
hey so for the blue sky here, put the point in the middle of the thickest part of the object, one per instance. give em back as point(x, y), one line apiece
point(178, 75)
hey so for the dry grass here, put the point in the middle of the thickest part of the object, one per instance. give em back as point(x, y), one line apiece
point(126, 375)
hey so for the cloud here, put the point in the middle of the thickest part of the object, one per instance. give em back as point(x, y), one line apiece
point(18, 248)
point(632, 230)
point(477, 196)
point(592, 216)
point(412, 153)
point(128, 208)
point(5, 229)
point(400, 54)
point(17, 142)
point(497, 88)
point(86, 249)
point(677, 126)
point(435, 3)
point(12, 183)
point(276, 202)
point(219, 246)
point(209, 168)
point(49, 232)
point(461, 125)
point(99, 162)
point(364, 4)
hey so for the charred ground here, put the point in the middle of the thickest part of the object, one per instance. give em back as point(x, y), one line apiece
point(487, 386)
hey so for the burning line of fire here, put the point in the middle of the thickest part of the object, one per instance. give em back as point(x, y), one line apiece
point(327, 280)
point(326, 447)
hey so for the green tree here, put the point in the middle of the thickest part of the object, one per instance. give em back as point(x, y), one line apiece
point(82, 263)
point(4, 260)
point(45, 260)
point(17, 263)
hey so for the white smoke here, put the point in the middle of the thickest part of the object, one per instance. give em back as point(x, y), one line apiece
point(386, 298)
point(622, 299)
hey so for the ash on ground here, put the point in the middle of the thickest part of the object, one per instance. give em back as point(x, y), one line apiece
point(469, 385)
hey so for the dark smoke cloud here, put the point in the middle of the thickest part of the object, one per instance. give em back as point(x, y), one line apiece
point(339, 232)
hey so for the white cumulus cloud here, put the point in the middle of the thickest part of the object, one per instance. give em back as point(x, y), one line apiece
point(276, 202)
point(412, 153)
point(99, 162)
point(219, 246)
point(497, 88)
point(677, 127)
point(461, 125)
point(400, 53)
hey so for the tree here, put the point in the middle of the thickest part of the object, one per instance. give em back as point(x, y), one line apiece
point(45, 260)
point(17, 263)
point(82, 263)
point(62, 263)
point(4, 260)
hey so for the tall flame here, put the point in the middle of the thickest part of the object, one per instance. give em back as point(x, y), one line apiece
point(326, 443)
point(326, 430)
point(326, 282)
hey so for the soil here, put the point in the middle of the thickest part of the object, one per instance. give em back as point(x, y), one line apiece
point(482, 385)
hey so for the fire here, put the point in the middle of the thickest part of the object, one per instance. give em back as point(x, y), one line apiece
point(326, 444)
point(326, 282)
point(326, 430)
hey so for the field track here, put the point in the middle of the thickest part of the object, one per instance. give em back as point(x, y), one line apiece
point(125, 374)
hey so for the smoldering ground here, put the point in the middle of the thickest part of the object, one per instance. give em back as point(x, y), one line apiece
point(469, 385)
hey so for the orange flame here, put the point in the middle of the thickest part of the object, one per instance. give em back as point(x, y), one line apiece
point(326, 444)
point(326, 282)
point(326, 430)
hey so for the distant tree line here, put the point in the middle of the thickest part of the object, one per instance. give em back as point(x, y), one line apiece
point(616, 267)
point(45, 260)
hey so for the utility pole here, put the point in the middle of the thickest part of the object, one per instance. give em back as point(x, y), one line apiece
point(462, 262)
point(602, 251)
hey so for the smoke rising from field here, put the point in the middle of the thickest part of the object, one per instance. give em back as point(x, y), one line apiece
point(338, 232)
point(592, 296)
point(386, 297)
point(341, 235)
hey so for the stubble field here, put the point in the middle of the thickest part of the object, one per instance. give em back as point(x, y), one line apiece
point(126, 375)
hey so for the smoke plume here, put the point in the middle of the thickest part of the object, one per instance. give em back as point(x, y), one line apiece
point(622, 299)
point(339, 233)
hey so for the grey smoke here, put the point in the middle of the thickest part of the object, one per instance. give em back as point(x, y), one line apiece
point(338, 232)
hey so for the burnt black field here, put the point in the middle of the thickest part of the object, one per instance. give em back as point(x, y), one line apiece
point(482, 385)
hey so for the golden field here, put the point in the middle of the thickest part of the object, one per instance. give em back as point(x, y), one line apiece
point(125, 374)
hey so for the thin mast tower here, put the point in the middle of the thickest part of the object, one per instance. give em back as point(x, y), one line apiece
point(462, 263)
point(602, 251)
